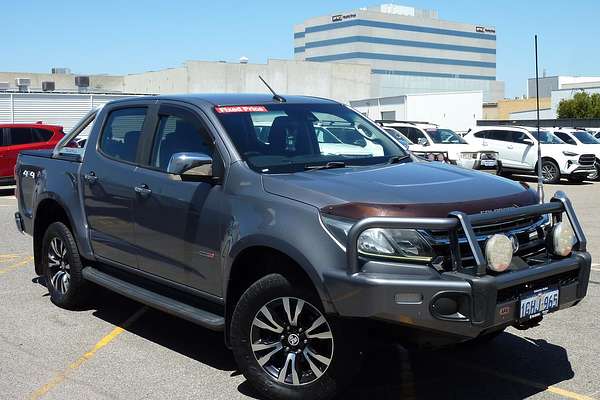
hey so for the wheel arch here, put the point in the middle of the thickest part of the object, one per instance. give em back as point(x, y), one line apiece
point(48, 211)
point(258, 257)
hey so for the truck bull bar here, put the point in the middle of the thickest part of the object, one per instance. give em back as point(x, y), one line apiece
point(558, 205)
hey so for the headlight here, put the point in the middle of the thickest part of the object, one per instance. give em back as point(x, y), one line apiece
point(563, 239)
point(394, 243)
point(390, 243)
point(569, 153)
point(498, 252)
point(468, 156)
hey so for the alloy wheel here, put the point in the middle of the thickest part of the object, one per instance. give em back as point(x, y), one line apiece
point(292, 341)
point(549, 172)
point(58, 265)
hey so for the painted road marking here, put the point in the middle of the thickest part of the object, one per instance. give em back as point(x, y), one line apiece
point(60, 377)
point(527, 382)
point(7, 256)
point(10, 268)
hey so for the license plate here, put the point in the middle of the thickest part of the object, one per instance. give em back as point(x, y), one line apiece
point(539, 302)
point(488, 163)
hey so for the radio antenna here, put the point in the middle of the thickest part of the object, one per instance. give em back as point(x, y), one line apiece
point(539, 139)
point(276, 97)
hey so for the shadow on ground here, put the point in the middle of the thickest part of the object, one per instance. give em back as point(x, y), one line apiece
point(510, 367)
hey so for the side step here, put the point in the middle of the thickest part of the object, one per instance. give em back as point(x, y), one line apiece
point(155, 300)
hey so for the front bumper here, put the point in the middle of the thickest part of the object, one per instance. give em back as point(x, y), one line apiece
point(484, 302)
point(464, 301)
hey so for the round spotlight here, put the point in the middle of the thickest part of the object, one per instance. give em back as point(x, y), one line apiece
point(498, 252)
point(563, 239)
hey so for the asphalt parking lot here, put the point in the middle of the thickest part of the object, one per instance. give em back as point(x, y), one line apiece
point(119, 349)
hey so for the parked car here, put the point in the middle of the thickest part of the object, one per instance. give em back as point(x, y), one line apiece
point(517, 149)
point(298, 257)
point(15, 138)
point(427, 138)
point(585, 142)
point(425, 155)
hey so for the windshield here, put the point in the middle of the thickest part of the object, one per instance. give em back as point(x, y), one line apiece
point(401, 138)
point(283, 138)
point(444, 136)
point(585, 137)
point(547, 137)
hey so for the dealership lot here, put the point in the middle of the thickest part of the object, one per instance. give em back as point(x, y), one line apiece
point(117, 348)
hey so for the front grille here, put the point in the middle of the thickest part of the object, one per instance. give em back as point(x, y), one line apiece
point(587, 159)
point(487, 156)
point(527, 230)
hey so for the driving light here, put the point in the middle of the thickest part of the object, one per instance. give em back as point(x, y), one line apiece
point(468, 156)
point(563, 239)
point(498, 252)
point(569, 153)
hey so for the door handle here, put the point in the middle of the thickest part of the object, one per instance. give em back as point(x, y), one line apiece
point(143, 190)
point(510, 147)
point(90, 177)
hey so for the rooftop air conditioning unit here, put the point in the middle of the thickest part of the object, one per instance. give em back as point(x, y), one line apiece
point(82, 81)
point(23, 84)
point(48, 86)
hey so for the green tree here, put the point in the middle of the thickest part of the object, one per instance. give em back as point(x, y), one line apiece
point(582, 105)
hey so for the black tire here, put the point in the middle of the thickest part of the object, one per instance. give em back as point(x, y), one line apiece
point(502, 172)
point(269, 291)
point(553, 177)
point(66, 292)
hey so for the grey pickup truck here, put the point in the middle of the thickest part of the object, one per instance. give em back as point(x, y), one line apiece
point(298, 228)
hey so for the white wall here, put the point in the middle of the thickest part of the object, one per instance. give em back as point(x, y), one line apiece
point(545, 113)
point(457, 111)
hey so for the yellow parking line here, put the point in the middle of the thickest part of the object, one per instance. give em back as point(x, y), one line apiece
point(9, 255)
point(527, 382)
point(60, 377)
point(17, 265)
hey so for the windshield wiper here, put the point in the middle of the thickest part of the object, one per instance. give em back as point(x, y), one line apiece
point(397, 159)
point(329, 165)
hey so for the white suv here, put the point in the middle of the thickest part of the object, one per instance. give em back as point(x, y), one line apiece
point(585, 143)
point(517, 148)
point(429, 138)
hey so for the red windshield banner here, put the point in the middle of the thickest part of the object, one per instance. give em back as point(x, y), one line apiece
point(240, 109)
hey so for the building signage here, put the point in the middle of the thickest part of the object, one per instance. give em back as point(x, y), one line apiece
point(340, 17)
point(483, 29)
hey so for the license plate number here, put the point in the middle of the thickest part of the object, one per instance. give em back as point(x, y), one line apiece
point(488, 163)
point(539, 302)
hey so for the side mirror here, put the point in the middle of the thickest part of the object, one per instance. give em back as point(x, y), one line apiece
point(423, 142)
point(528, 142)
point(190, 164)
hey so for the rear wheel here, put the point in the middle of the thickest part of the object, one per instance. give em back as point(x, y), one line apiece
point(550, 171)
point(62, 267)
point(286, 346)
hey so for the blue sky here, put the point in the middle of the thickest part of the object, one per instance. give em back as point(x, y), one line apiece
point(119, 37)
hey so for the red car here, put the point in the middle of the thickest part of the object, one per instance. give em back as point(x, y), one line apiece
point(15, 138)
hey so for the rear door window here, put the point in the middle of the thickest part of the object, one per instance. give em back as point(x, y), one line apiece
point(503, 136)
point(413, 134)
point(121, 133)
point(19, 136)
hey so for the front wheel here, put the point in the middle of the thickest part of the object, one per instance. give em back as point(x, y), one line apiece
point(595, 176)
point(285, 345)
point(550, 172)
point(62, 267)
